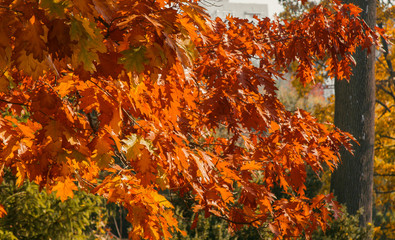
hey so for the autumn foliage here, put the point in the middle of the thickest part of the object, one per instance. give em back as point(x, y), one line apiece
point(126, 99)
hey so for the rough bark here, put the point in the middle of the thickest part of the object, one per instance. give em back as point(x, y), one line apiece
point(352, 182)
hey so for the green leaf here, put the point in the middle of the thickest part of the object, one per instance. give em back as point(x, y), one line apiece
point(86, 57)
point(134, 59)
point(89, 42)
point(55, 7)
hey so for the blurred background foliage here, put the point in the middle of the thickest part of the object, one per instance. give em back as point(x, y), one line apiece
point(34, 214)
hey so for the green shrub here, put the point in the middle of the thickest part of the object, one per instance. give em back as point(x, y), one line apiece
point(32, 214)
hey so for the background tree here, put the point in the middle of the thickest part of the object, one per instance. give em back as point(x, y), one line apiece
point(125, 99)
point(352, 181)
point(383, 209)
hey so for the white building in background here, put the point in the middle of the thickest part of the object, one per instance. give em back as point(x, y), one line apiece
point(222, 8)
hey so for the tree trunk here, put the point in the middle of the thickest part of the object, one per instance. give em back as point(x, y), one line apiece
point(352, 182)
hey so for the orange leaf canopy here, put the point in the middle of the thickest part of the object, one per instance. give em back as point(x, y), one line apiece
point(129, 98)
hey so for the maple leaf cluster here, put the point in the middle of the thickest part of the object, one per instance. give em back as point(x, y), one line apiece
point(126, 99)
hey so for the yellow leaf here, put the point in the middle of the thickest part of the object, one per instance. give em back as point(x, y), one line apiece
point(192, 11)
point(30, 65)
point(116, 121)
point(66, 84)
point(64, 189)
point(162, 200)
point(20, 174)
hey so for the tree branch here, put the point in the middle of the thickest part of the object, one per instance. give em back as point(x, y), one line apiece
point(21, 104)
point(386, 51)
point(379, 86)
point(385, 106)
point(384, 175)
point(386, 136)
point(12, 10)
point(385, 192)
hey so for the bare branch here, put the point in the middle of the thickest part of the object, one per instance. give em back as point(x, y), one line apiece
point(386, 136)
point(384, 175)
point(385, 192)
point(385, 106)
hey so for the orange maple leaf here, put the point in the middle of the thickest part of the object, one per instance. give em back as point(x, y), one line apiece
point(64, 188)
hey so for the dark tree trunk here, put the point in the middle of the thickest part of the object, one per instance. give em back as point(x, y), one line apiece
point(352, 182)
